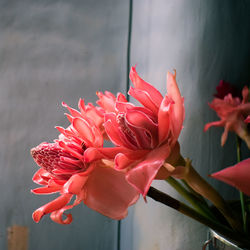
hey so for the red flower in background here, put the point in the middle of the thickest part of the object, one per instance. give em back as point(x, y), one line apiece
point(225, 88)
point(145, 136)
point(232, 112)
point(64, 170)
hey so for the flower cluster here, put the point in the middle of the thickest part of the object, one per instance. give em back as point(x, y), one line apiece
point(109, 180)
point(145, 147)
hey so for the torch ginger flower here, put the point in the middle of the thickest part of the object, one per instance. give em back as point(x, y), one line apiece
point(232, 112)
point(64, 170)
point(144, 136)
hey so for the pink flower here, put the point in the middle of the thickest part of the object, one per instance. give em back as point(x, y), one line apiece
point(63, 170)
point(145, 136)
point(237, 176)
point(232, 112)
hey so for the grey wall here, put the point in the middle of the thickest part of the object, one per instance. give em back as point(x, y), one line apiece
point(205, 41)
point(53, 51)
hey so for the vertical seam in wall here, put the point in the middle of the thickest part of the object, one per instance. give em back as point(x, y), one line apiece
point(127, 96)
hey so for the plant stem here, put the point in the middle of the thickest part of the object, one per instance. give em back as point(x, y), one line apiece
point(242, 198)
point(201, 208)
point(184, 209)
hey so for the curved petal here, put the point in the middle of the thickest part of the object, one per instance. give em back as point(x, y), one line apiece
point(144, 98)
point(141, 121)
point(164, 118)
point(245, 94)
point(237, 176)
point(139, 83)
point(216, 124)
point(54, 205)
point(46, 190)
point(84, 130)
point(106, 101)
point(123, 162)
point(72, 111)
point(142, 175)
point(109, 193)
point(93, 154)
point(178, 108)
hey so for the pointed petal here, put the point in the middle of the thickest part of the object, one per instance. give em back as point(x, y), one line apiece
point(83, 129)
point(216, 124)
point(237, 176)
point(247, 120)
point(245, 94)
point(178, 108)
point(144, 98)
point(46, 190)
point(106, 101)
point(72, 111)
point(139, 83)
point(164, 120)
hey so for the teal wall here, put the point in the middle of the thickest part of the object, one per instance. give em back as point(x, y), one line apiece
point(53, 51)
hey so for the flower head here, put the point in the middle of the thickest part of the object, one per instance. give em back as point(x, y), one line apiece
point(63, 170)
point(232, 112)
point(145, 136)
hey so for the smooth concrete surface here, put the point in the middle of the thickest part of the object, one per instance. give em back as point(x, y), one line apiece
point(205, 41)
point(53, 51)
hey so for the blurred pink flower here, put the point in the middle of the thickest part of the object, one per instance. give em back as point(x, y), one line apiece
point(144, 136)
point(237, 176)
point(63, 170)
point(232, 112)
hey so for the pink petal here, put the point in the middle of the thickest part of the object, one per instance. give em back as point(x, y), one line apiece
point(164, 120)
point(46, 190)
point(142, 175)
point(237, 176)
point(178, 114)
point(93, 154)
point(245, 94)
point(216, 124)
point(72, 111)
point(139, 83)
point(247, 120)
point(225, 134)
point(109, 193)
point(75, 184)
point(106, 101)
point(123, 162)
point(144, 98)
point(54, 205)
point(140, 120)
point(84, 130)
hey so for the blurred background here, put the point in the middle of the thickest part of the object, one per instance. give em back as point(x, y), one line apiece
point(54, 51)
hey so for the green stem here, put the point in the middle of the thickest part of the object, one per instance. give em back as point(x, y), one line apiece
point(193, 200)
point(242, 197)
point(186, 210)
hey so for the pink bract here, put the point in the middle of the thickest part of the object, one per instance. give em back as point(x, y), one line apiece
point(237, 176)
point(145, 136)
point(232, 113)
point(63, 170)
